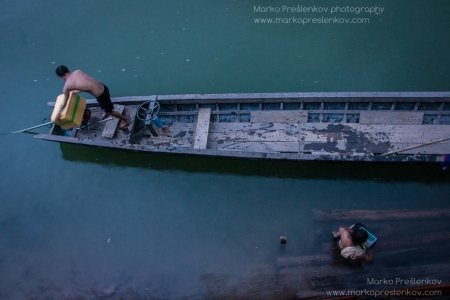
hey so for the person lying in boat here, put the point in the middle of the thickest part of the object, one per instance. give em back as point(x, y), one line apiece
point(78, 81)
point(351, 243)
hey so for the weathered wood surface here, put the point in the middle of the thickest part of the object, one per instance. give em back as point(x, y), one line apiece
point(421, 145)
point(183, 135)
point(255, 146)
point(157, 141)
point(267, 136)
point(391, 117)
point(354, 149)
point(253, 137)
point(111, 125)
point(252, 128)
point(284, 97)
point(375, 139)
point(121, 144)
point(165, 131)
point(325, 141)
point(377, 215)
point(202, 128)
point(94, 131)
point(278, 116)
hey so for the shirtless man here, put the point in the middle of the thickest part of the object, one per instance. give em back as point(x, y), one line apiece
point(78, 81)
point(352, 242)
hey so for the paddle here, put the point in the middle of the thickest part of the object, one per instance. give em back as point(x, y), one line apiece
point(100, 121)
point(416, 146)
point(34, 127)
point(48, 123)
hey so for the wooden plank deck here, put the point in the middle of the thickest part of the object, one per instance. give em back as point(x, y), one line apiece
point(371, 139)
point(282, 116)
point(327, 138)
point(111, 125)
point(183, 134)
point(94, 131)
point(284, 147)
point(202, 128)
point(391, 117)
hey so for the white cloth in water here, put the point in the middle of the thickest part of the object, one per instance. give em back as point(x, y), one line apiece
point(352, 251)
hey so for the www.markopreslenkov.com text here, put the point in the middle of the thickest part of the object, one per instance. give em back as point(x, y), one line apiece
point(308, 14)
point(384, 293)
point(318, 20)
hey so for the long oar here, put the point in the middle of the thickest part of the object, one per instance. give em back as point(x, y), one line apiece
point(34, 127)
point(86, 126)
point(48, 123)
point(416, 146)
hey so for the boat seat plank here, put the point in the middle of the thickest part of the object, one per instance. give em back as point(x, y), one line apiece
point(202, 128)
point(278, 116)
point(391, 117)
point(111, 125)
point(291, 147)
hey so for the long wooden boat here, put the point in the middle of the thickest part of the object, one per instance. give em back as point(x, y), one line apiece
point(354, 126)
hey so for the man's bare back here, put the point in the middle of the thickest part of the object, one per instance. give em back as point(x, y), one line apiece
point(80, 81)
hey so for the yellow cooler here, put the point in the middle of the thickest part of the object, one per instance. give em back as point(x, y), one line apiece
point(72, 113)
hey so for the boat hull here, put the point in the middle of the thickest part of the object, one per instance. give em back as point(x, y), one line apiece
point(362, 127)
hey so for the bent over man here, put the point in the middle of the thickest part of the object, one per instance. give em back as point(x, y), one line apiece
point(78, 81)
point(351, 243)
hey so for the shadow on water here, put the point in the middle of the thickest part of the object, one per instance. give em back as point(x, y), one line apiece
point(424, 173)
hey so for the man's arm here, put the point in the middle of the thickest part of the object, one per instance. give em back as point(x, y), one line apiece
point(368, 257)
point(66, 93)
point(343, 228)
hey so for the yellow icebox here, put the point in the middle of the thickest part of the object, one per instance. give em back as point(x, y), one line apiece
point(72, 113)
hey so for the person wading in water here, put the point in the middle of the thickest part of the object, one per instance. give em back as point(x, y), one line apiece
point(351, 243)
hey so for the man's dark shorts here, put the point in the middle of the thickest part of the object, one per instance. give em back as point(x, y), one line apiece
point(105, 100)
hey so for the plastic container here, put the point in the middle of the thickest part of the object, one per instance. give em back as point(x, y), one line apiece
point(71, 114)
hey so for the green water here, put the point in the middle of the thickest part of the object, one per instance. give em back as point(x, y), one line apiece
point(78, 221)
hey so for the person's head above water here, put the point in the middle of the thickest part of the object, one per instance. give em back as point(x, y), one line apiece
point(62, 70)
point(359, 236)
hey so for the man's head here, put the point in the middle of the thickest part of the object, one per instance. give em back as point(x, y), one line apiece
point(359, 236)
point(61, 71)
